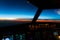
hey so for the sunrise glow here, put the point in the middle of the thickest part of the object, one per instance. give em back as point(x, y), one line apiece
point(7, 18)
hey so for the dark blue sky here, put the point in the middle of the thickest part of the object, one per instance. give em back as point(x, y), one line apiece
point(23, 9)
point(16, 9)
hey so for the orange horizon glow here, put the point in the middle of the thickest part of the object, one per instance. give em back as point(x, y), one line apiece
point(27, 20)
point(7, 18)
point(48, 21)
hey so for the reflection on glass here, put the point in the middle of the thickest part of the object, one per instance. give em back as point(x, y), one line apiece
point(55, 33)
point(17, 37)
point(59, 37)
point(7, 38)
point(20, 37)
point(23, 36)
point(3, 39)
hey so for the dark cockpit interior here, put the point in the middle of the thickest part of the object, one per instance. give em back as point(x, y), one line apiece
point(41, 24)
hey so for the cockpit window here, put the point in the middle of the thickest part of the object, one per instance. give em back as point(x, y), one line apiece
point(16, 9)
point(50, 14)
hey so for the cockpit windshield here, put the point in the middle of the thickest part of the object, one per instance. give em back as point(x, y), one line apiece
point(16, 9)
point(50, 14)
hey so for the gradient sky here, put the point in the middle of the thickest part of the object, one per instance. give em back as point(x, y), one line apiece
point(16, 9)
point(23, 9)
point(50, 14)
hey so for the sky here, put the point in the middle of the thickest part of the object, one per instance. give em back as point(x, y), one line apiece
point(16, 9)
point(53, 14)
point(23, 9)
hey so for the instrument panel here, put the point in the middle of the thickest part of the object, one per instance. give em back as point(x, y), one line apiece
point(36, 31)
point(44, 25)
